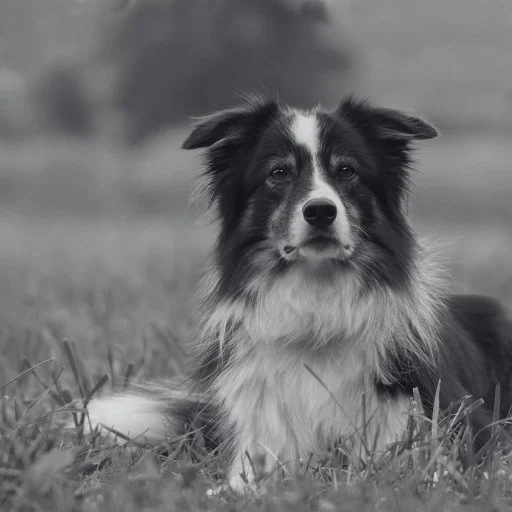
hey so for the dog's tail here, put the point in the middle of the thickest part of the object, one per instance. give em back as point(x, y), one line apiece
point(152, 411)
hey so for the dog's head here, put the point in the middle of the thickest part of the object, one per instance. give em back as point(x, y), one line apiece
point(313, 188)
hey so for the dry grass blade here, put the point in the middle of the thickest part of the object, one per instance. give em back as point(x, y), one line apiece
point(71, 359)
point(96, 388)
point(465, 410)
point(25, 372)
point(128, 375)
point(47, 392)
point(308, 463)
point(417, 398)
point(365, 424)
point(110, 358)
point(495, 429)
point(435, 418)
point(124, 437)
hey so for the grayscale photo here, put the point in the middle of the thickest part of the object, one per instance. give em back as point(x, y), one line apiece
point(256, 255)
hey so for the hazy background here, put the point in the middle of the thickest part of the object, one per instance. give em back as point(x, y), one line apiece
point(97, 242)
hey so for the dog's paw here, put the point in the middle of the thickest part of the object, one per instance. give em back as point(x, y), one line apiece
point(216, 491)
point(237, 485)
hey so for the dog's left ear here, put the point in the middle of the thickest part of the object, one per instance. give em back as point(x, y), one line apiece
point(385, 123)
point(232, 125)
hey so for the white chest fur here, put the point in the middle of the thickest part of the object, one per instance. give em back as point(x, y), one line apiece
point(285, 405)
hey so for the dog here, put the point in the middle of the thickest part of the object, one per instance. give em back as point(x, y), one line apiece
point(318, 293)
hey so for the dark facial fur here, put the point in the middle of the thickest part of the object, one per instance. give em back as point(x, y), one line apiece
point(269, 167)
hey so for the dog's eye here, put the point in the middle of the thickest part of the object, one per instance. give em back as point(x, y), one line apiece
point(346, 171)
point(279, 174)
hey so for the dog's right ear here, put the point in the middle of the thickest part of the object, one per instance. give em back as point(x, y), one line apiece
point(235, 124)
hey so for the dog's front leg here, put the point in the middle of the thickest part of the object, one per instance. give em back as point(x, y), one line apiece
point(256, 458)
point(262, 440)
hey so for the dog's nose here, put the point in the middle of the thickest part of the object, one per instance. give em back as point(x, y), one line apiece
point(320, 213)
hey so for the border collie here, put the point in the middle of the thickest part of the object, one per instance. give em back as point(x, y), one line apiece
point(317, 294)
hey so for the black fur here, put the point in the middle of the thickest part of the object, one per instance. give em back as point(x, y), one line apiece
point(475, 357)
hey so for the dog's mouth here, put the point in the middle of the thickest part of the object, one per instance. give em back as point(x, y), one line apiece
point(320, 243)
point(319, 247)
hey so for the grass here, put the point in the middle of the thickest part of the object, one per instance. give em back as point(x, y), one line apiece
point(46, 467)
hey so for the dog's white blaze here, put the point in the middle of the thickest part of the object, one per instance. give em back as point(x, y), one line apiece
point(305, 131)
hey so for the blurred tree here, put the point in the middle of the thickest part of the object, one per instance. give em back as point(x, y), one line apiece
point(61, 94)
point(177, 58)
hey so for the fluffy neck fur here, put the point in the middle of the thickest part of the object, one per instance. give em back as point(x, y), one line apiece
point(311, 315)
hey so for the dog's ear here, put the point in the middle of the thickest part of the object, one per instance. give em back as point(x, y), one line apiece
point(385, 124)
point(235, 124)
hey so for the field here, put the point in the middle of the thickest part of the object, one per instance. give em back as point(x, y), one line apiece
point(101, 253)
